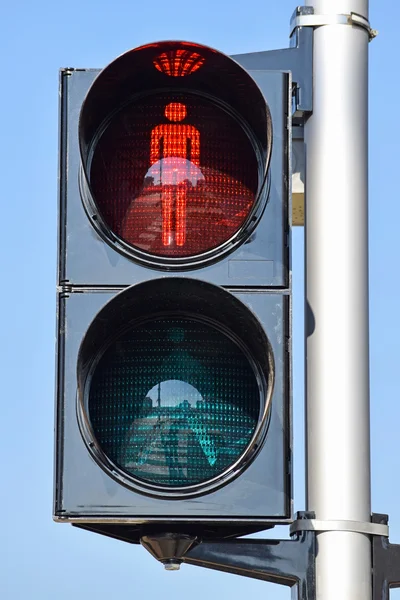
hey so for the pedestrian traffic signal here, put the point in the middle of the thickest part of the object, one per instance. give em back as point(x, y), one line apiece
point(173, 372)
point(192, 137)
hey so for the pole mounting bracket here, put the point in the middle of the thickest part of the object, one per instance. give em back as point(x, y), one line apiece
point(313, 20)
point(385, 563)
point(319, 525)
point(285, 562)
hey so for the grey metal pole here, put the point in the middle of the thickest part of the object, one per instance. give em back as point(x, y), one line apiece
point(337, 361)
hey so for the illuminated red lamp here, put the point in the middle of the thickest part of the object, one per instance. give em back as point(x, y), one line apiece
point(178, 62)
point(175, 169)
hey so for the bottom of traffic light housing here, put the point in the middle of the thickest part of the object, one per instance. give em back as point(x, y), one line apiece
point(170, 541)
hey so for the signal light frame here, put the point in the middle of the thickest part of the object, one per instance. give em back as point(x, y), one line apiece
point(260, 494)
point(84, 258)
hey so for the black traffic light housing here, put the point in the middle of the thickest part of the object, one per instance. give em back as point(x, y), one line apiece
point(114, 286)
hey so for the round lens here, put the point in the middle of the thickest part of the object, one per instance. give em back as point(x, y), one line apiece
point(174, 402)
point(174, 174)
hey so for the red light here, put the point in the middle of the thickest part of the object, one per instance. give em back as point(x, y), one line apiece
point(180, 143)
point(178, 62)
point(174, 175)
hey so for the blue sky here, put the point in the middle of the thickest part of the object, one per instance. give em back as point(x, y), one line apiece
point(40, 559)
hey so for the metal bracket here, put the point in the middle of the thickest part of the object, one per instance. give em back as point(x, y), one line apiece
point(385, 563)
point(313, 20)
point(369, 528)
point(298, 59)
point(285, 562)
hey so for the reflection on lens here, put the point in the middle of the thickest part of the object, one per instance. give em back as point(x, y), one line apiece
point(174, 402)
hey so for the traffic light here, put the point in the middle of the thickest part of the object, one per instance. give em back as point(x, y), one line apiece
point(173, 363)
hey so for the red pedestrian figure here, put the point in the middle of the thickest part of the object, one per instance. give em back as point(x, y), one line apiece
point(176, 147)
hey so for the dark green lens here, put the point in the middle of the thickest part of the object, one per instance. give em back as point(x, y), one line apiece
point(174, 402)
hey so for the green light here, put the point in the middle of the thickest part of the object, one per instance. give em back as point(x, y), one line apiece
point(174, 402)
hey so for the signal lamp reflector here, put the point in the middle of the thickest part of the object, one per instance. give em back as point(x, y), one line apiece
point(174, 167)
point(174, 403)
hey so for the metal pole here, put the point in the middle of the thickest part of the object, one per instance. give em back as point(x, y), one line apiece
point(337, 361)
